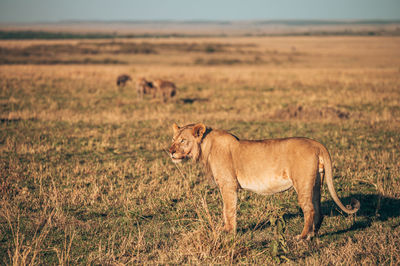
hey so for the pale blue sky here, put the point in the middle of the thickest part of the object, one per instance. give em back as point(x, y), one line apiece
point(58, 10)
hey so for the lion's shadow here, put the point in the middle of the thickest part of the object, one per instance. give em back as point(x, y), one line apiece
point(373, 208)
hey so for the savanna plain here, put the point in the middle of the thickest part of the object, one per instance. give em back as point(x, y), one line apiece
point(86, 179)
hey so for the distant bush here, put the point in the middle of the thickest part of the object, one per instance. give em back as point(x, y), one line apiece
point(28, 35)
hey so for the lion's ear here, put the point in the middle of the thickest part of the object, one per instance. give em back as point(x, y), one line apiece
point(175, 128)
point(198, 130)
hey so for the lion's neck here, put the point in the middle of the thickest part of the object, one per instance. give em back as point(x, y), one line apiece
point(205, 148)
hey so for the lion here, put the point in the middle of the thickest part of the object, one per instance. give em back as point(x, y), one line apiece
point(263, 166)
point(166, 89)
point(143, 87)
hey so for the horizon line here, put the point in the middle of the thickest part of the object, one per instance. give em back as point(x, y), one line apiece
point(216, 21)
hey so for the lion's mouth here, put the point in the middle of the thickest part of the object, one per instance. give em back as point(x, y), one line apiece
point(177, 159)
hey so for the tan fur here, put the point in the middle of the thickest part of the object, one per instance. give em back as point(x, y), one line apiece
point(143, 87)
point(165, 89)
point(264, 166)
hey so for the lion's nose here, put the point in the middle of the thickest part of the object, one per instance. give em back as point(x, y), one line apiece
point(172, 151)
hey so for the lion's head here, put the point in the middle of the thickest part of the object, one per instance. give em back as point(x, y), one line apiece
point(186, 142)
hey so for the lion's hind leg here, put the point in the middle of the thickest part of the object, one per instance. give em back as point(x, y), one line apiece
point(318, 217)
point(309, 213)
point(310, 204)
point(309, 198)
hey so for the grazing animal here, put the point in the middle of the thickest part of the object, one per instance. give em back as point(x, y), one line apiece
point(262, 166)
point(122, 80)
point(143, 87)
point(165, 89)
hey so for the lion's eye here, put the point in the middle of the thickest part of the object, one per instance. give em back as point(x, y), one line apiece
point(183, 141)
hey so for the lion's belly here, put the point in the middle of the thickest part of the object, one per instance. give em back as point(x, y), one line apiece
point(266, 184)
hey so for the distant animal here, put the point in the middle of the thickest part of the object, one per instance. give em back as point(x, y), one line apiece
point(143, 87)
point(163, 88)
point(262, 166)
point(122, 80)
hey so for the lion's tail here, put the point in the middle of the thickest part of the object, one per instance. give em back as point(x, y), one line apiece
point(327, 164)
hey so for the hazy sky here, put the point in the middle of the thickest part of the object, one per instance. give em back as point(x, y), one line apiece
point(56, 10)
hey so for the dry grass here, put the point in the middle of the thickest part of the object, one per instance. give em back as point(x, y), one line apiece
point(85, 176)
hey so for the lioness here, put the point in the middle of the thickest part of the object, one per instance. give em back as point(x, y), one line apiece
point(263, 166)
point(166, 89)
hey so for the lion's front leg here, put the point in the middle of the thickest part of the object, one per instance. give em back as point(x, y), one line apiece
point(224, 175)
point(229, 197)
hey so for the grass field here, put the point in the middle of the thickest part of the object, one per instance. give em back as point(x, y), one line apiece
point(85, 177)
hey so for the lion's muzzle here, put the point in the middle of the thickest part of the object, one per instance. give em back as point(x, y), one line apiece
point(172, 151)
point(176, 155)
